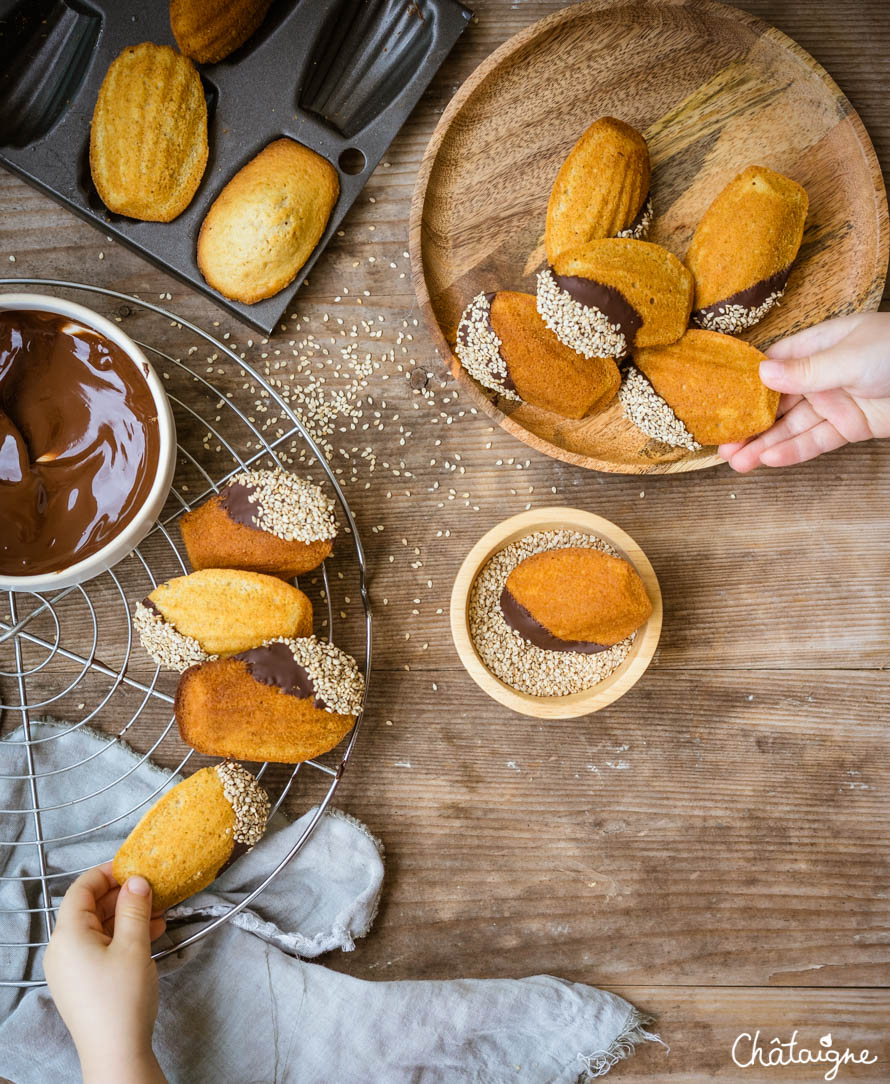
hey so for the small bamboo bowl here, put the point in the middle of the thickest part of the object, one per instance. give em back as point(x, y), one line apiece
point(588, 700)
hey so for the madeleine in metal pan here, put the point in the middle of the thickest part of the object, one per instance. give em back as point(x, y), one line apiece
point(266, 222)
point(148, 140)
point(208, 30)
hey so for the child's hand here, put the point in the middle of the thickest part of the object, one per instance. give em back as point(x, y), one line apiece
point(99, 968)
point(836, 383)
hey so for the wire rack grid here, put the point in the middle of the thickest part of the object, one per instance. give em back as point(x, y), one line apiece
point(72, 654)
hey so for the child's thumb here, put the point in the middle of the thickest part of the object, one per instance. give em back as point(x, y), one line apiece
point(836, 367)
point(132, 914)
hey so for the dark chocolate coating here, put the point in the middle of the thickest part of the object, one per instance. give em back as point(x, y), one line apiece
point(518, 618)
point(235, 502)
point(149, 605)
point(752, 297)
point(609, 300)
point(274, 664)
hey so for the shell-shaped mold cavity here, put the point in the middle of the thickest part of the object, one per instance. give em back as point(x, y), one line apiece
point(365, 55)
point(45, 50)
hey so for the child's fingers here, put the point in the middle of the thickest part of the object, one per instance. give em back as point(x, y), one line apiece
point(799, 419)
point(823, 437)
point(132, 915)
point(837, 367)
point(814, 339)
point(156, 928)
point(78, 906)
point(105, 907)
point(727, 451)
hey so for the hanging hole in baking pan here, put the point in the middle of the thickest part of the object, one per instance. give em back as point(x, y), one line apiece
point(352, 161)
point(364, 57)
point(45, 50)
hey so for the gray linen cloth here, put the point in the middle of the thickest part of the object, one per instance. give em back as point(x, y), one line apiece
point(243, 1006)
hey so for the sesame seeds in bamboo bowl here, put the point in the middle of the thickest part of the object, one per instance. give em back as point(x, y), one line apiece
point(574, 526)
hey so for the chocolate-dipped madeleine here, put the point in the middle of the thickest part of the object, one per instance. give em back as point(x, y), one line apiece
point(575, 599)
point(184, 840)
point(607, 296)
point(711, 383)
point(503, 343)
point(287, 700)
point(218, 611)
point(268, 521)
point(601, 190)
point(743, 248)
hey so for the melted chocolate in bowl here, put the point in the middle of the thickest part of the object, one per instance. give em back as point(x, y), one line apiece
point(79, 442)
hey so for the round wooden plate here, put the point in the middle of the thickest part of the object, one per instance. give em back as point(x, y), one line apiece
point(588, 700)
point(714, 90)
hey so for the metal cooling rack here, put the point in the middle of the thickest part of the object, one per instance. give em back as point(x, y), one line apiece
point(72, 654)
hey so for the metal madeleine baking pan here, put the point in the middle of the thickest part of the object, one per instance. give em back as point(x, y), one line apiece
point(340, 76)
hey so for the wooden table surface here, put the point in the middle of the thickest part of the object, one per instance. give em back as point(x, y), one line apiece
point(714, 845)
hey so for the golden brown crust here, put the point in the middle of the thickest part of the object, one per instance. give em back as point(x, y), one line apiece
point(712, 383)
point(546, 373)
point(182, 842)
point(148, 139)
point(230, 610)
point(223, 711)
point(208, 30)
point(751, 231)
point(649, 277)
point(600, 188)
point(214, 540)
point(266, 222)
point(583, 594)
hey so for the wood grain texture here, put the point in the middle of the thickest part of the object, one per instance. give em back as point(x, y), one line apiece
point(587, 701)
point(751, 866)
point(713, 90)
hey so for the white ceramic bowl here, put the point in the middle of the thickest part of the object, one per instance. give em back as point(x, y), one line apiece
point(129, 538)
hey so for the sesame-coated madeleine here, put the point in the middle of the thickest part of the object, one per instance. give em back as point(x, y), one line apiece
point(607, 296)
point(218, 611)
point(185, 839)
point(148, 140)
point(208, 30)
point(712, 383)
point(575, 599)
point(601, 190)
point(269, 521)
point(743, 248)
point(286, 701)
point(503, 343)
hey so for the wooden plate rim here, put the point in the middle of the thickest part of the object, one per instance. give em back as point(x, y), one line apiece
point(587, 701)
point(693, 461)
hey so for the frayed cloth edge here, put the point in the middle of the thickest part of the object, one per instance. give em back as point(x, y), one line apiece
point(624, 1044)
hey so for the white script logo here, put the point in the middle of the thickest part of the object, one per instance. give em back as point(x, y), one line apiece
point(748, 1051)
